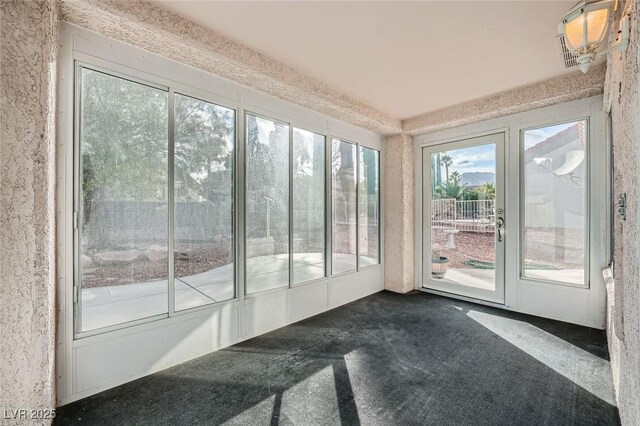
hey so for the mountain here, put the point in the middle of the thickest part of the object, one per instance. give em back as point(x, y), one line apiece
point(477, 178)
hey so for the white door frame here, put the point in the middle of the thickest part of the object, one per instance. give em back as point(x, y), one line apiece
point(496, 296)
point(585, 305)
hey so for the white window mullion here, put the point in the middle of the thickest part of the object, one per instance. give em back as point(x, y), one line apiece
point(291, 251)
point(171, 204)
point(357, 182)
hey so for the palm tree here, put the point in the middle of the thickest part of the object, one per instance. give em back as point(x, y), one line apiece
point(450, 189)
point(446, 161)
point(455, 177)
point(488, 190)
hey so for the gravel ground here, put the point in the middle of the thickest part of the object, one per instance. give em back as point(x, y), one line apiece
point(187, 262)
point(543, 248)
point(469, 245)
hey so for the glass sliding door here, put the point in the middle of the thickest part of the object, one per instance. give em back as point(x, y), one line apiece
point(203, 209)
point(267, 204)
point(122, 200)
point(308, 222)
point(344, 217)
point(368, 207)
point(463, 217)
point(554, 200)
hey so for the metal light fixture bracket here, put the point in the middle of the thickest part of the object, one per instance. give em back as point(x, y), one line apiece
point(587, 51)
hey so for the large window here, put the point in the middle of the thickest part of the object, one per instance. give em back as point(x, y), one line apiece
point(308, 206)
point(368, 207)
point(122, 200)
point(267, 208)
point(128, 261)
point(554, 197)
point(203, 210)
point(343, 179)
point(155, 190)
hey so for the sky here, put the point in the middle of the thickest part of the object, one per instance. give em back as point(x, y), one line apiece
point(533, 136)
point(482, 158)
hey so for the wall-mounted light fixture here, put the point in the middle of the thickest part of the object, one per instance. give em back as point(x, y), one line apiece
point(585, 28)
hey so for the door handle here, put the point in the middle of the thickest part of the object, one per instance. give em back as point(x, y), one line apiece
point(499, 226)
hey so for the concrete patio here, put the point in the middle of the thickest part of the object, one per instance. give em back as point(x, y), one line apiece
point(108, 305)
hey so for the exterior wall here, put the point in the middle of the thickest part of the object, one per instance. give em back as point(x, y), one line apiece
point(27, 175)
point(623, 290)
point(398, 207)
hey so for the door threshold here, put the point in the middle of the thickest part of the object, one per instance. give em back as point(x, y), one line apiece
point(465, 298)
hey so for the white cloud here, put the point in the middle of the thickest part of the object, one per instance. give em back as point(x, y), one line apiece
point(534, 136)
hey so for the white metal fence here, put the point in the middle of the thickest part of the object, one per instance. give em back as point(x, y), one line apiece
point(463, 215)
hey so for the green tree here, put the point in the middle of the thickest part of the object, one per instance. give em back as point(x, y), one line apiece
point(488, 191)
point(278, 189)
point(267, 180)
point(204, 134)
point(124, 139)
point(470, 194)
point(450, 189)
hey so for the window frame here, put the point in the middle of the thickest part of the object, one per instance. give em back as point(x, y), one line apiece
point(172, 88)
point(379, 206)
point(78, 200)
point(234, 203)
point(587, 207)
point(355, 178)
point(612, 200)
point(292, 282)
point(246, 114)
point(142, 73)
point(357, 201)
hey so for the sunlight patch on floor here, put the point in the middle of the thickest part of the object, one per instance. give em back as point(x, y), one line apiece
point(260, 413)
point(314, 400)
point(588, 371)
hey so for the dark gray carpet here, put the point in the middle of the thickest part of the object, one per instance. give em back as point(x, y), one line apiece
point(387, 359)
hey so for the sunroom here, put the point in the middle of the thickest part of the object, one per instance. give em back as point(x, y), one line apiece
point(320, 212)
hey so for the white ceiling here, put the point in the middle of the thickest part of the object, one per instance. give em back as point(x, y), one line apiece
point(403, 58)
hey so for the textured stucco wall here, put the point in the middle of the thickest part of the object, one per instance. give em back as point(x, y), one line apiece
point(399, 197)
point(623, 292)
point(27, 164)
point(154, 29)
point(549, 92)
